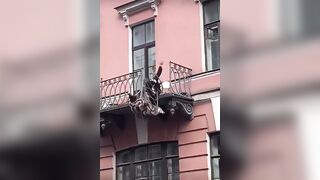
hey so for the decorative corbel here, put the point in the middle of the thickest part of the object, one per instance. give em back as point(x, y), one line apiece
point(154, 7)
point(185, 107)
point(125, 18)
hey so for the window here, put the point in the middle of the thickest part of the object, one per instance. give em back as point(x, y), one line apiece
point(149, 162)
point(211, 11)
point(144, 48)
point(215, 155)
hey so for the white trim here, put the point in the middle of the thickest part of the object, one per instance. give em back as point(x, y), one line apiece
point(216, 111)
point(130, 49)
point(114, 173)
point(205, 75)
point(206, 96)
point(137, 6)
point(126, 19)
point(203, 56)
point(208, 156)
point(154, 7)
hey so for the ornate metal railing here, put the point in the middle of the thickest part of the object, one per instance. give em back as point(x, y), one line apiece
point(180, 79)
point(115, 91)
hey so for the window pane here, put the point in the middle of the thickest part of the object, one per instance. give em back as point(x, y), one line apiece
point(151, 61)
point(212, 48)
point(138, 59)
point(172, 149)
point(155, 168)
point(141, 170)
point(144, 166)
point(140, 153)
point(155, 178)
point(215, 139)
point(211, 11)
point(123, 173)
point(138, 35)
point(152, 56)
point(173, 165)
point(154, 151)
point(150, 32)
point(215, 167)
point(123, 157)
point(173, 176)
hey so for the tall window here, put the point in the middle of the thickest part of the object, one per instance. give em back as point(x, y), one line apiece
point(144, 48)
point(215, 155)
point(149, 162)
point(211, 11)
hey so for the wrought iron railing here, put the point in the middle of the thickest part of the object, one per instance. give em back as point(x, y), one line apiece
point(180, 79)
point(116, 91)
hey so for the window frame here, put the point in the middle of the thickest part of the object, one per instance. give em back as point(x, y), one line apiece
point(146, 46)
point(211, 136)
point(208, 26)
point(163, 159)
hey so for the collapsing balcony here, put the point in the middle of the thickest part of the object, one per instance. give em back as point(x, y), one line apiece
point(146, 96)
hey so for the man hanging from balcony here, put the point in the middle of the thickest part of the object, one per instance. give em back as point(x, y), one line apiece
point(147, 103)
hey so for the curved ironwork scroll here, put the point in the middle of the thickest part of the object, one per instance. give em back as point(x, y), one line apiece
point(180, 78)
point(115, 91)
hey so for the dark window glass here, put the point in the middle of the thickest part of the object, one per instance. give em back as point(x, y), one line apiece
point(172, 149)
point(212, 47)
point(215, 155)
point(152, 61)
point(154, 151)
point(141, 170)
point(149, 162)
point(173, 168)
point(211, 10)
point(173, 176)
point(212, 34)
point(141, 153)
point(150, 32)
point(155, 168)
point(215, 168)
point(139, 35)
point(123, 173)
point(124, 157)
point(138, 59)
point(173, 165)
point(144, 48)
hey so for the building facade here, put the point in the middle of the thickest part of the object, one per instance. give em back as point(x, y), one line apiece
point(160, 89)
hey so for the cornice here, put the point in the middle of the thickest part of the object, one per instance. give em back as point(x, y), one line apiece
point(126, 10)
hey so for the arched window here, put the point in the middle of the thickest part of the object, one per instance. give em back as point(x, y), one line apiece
point(158, 161)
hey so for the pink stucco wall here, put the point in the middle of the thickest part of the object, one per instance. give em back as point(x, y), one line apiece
point(177, 34)
point(113, 40)
point(178, 39)
point(191, 137)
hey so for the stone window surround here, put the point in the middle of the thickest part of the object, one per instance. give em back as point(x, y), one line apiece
point(133, 7)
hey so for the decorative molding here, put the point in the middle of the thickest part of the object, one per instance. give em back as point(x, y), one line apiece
point(154, 7)
point(216, 111)
point(126, 10)
point(184, 106)
point(125, 18)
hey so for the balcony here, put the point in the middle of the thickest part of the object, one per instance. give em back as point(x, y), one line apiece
point(135, 95)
